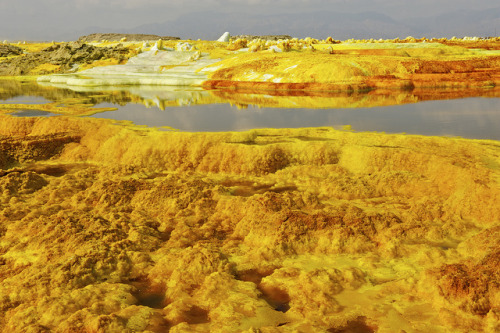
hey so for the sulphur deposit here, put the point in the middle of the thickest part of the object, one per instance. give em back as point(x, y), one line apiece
point(289, 64)
point(113, 228)
point(110, 227)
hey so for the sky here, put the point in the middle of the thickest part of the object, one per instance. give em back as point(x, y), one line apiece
point(53, 19)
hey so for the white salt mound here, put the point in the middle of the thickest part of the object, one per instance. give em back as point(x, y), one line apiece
point(225, 37)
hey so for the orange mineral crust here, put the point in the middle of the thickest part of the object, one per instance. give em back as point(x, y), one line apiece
point(107, 227)
point(354, 73)
point(358, 66)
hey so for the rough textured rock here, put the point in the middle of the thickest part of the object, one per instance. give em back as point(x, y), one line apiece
point(9, 50)
point(65, 56)
point(108, 227)
point(123, 229)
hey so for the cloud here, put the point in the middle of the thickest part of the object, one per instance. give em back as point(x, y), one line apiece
point(38, 18)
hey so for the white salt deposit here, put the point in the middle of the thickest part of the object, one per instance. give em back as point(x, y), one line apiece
point(225, 37)
point(184, 47)
point(267, 77)
point(275, 48)
point(154, 67)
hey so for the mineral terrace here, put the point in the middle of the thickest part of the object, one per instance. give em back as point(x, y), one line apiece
point(111, 227)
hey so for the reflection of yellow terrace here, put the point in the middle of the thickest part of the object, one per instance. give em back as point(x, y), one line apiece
point(78, 100)
point(318, 99)
point(74, 109)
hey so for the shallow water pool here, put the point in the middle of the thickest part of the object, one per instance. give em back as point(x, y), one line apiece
point(465, 113)
point(477, 118)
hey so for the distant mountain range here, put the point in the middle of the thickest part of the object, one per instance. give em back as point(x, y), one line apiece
point(459, 23)
point(210, 25)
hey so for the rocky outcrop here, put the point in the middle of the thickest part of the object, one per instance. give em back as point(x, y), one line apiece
point(265, 37)
point(114, 37)
point(66, 56)
point(9, 50)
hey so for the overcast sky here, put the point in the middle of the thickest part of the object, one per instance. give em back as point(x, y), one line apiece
point(48, 19)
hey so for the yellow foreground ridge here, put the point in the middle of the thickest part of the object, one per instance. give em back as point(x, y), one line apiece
point(116, 228)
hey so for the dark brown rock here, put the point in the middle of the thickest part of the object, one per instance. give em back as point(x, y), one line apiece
point(266, 37)
point(65, 55)
point(113, 37)
point(9, 50)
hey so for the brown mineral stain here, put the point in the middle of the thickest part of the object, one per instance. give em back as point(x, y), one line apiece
point(197, 315)
point(277, 298)
point(355, 326)
point(148, 295)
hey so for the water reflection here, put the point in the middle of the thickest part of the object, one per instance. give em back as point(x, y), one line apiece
point(32, 113)
point(472, 113)
point(472, 118)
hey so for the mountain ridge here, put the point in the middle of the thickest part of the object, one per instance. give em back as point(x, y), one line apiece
point(210, 25)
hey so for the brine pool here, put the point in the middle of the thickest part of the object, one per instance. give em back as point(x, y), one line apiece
point(475, 116)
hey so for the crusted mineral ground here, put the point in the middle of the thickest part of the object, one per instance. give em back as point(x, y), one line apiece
point(358, 66)
point(289, 64)
point(113, 228)
point(296, 73)
point(108, 227)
